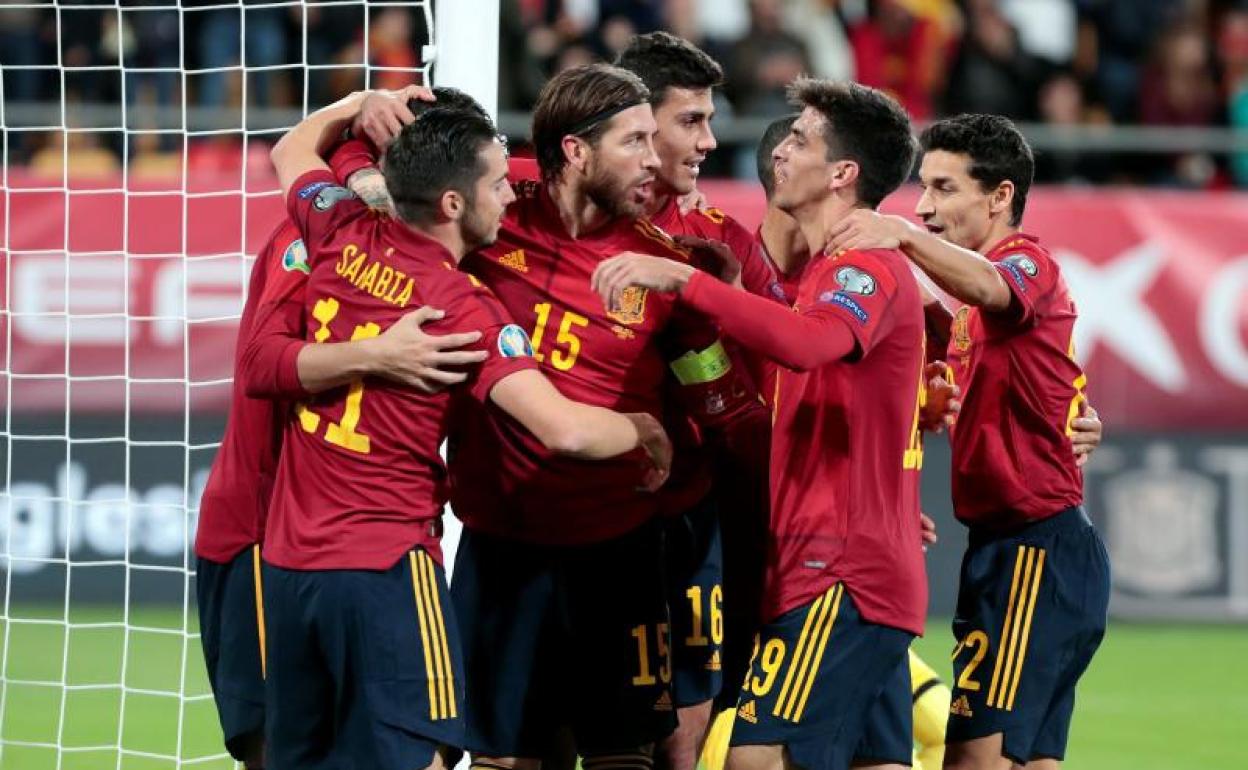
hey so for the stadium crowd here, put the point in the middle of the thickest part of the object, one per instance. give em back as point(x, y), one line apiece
point(1056, 62)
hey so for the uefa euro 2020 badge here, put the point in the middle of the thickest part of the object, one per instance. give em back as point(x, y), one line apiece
point(513, 342)
point(296, 257)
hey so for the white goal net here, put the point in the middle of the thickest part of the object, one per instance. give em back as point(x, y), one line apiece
point(136, 188)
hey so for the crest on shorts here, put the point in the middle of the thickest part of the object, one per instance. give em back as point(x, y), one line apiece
point(1163, 527)
point(961, 331)
point(630, 307)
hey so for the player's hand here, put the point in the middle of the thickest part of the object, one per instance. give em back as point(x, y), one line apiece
point(384, 113)
point(942, 404)
point(628, 268)
point(658, 448)
point(867, 229)
point(1088, 432)
point(407, 355)
point(694, 199)
point(927, 528)
point(715, 257)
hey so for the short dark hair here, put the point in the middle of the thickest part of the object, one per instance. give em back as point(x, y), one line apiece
point(775, 133)
point(664, 61)
point(450, 99)
point(580, 101)
point(439, 151)
point(864, 125)
point(997, 151)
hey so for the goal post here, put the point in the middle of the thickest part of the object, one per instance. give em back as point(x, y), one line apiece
point(135, 190)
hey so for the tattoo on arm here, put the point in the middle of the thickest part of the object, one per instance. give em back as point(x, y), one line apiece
point(370, 185)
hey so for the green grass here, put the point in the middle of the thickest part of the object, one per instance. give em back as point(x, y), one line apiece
point(1158, 697)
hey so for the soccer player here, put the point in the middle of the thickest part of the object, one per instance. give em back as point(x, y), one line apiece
point(364, 665)
point(846, 589)
point(1034, 588)
point(710, 633)
point(235, 499)
point(557, 580)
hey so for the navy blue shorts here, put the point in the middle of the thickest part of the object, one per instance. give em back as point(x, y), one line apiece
point(1032, 609)
point(564, 636)
point(817, 672)
point(888, 730)
point(695, 571)
point(364, 667)
point(230, 628)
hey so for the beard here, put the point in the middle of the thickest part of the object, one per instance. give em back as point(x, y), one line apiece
point(612, 195)
point(477, 230)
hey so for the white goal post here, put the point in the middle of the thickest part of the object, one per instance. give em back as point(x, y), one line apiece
point(134, 191)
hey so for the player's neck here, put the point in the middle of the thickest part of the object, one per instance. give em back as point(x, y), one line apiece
point(997, 232)
point(657, 201)
point(579, 214)
point(782, 237)
point(447, 234)
point(817, 221)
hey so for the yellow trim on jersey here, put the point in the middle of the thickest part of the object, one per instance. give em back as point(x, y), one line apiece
point(805, 664)
point(424, 634)
point(259, 586)
point(1016, 629)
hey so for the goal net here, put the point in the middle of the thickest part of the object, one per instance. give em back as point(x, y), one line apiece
point(136, 188)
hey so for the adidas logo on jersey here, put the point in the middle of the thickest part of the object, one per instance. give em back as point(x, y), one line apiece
point(961, 707)
point(714, 664)
point(748, 712)
point(514, 260)
point(664, 703)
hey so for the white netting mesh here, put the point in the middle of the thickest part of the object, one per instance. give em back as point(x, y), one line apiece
point(136, 188)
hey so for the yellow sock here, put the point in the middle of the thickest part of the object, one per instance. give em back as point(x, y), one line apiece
point(931, 713)
point(715, 750)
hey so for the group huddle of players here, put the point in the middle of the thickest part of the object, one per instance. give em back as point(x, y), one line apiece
point(685, 456)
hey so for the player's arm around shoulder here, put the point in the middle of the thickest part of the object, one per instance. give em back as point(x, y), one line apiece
point(966, 276)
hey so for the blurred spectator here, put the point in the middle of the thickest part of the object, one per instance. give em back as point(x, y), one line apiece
point(763, 64)
point(265, 46)
point(1047, 29)
point(149, 40)
point(991, 72)
point(1179, 89)
point(1232, 44)
point(821, 29)
point(1123, 34)
point(84, 155)
point(520, 74)
point(1064, 105)
point(901, 53)
point(20, 47)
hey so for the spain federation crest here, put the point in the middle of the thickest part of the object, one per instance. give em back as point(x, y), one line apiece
point(630, 307)
point(961, 332)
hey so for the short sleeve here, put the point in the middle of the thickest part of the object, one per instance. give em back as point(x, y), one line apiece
point(857, 288)
point(319, 206)
point(1030, 275)
point(470, 306)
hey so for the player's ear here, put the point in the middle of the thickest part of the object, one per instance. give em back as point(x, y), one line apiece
point(576, 151)
point(1002, 198)
point(451, 205)
point(842, 173)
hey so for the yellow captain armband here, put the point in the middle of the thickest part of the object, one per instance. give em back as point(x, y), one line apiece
point(697, 367)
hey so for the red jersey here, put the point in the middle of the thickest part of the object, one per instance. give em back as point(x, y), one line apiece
point(236, 497)
point(505, 481)
point(787, 284)
point(690, 479)
point(1021, 387)
point(360, 479)
point(846, 449)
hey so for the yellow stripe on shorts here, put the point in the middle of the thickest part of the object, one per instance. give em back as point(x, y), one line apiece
point(426, 647)
point(799, 679)
point(1016, 630)
point(259, 586)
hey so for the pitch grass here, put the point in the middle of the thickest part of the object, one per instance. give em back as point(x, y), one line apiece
point(1158, 697)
